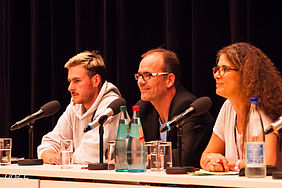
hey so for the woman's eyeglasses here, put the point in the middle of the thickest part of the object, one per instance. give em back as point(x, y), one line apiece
point(221, 70)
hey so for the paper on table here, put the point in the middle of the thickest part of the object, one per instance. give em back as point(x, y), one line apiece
point(202, 172)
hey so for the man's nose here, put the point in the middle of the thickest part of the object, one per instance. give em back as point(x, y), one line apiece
point(216, 75)
point(71, 87)
point(141, 81)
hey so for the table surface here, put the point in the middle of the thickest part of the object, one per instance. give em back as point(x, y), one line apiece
point(54, 171)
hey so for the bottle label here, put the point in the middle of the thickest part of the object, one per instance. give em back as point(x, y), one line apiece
point(127, 131)
point(255, 154)
point(123, 130)
point(134, 131)
point(137, 132)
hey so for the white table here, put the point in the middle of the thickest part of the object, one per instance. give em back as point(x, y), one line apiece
point(49, 175)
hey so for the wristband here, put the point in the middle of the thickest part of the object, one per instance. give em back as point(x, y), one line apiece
point(236, 168)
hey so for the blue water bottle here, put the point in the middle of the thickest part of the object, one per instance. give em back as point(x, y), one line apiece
point(121, 141)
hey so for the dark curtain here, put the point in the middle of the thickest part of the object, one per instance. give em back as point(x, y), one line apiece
point(39, 36)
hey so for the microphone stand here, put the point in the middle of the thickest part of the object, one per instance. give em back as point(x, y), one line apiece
point(178, 169)
point(179, 143)
point(31, 140)
point(101, 165)
point(31, 160)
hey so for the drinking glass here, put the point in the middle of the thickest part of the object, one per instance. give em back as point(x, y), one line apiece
point(153, 162)
point(111, 155)
point(66, 151)
point(165, 155)
point(5, 151)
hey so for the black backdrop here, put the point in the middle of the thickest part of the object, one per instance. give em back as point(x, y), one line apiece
point(39, 36)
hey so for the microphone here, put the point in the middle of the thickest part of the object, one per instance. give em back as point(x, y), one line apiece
point(112, 109)
point(198, 107)
point(274, 127)
point(46, 110)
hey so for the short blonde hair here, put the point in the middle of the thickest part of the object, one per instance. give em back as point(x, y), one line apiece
point(92, 61)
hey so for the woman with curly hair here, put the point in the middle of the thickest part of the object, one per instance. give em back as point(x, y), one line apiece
point(243, 71)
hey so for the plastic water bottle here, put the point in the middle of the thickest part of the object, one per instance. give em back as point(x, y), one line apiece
point(255, 143)
point(136, 145)
point(121, 141)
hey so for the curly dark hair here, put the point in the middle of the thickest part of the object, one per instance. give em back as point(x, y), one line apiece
point(258, 77)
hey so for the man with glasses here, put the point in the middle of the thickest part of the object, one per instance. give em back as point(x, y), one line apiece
point(91, 94)
point(162, 98)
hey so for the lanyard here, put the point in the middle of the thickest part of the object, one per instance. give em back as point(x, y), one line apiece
point(163, 136)
point(92, 118)
point(235, 135)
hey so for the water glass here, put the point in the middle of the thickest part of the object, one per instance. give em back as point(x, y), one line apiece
point(153, 161)
point(5, 151)
point(165, 155)
point(111, 155)
point(148, 146)
point(66, 151)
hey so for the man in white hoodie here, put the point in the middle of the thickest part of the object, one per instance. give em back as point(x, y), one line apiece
point(91, 95)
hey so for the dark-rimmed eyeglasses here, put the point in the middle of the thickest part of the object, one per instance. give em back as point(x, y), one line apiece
point(221, 70)
point(148, 76)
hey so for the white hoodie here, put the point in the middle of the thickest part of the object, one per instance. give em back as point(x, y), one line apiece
point(72, 122)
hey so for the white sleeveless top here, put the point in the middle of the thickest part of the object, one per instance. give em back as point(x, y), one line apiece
point(224, 129)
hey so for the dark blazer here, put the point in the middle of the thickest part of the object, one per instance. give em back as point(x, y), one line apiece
point(196, 130)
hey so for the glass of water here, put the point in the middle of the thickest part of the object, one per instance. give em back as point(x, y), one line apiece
point(5, 151)
point(66, 151)
point(165, 155)
point(153, 161)
point(111, 155)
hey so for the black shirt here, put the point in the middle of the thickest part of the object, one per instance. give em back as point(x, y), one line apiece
point(196, 130)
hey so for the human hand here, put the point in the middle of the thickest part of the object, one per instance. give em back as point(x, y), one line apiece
point(236, 165)
point(215, 162)
point(51, 157)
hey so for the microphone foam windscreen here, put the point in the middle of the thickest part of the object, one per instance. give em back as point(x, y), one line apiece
point(202, 105)
point(115, 105)
point(50, 108)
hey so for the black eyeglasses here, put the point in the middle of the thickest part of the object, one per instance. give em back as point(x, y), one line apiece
point(148, 76)
point(221, 70)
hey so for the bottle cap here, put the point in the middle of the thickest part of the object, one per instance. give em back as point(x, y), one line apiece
point(136, 108)
point(122, 108)
point(254, 100)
